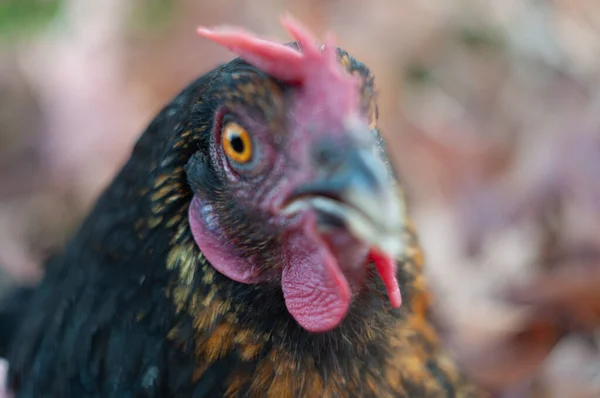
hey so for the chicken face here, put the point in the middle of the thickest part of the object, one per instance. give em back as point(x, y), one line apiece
point(295, 188)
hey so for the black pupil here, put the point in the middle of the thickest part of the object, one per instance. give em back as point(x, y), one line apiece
point(237, 143)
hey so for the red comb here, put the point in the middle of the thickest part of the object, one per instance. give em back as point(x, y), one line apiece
point(278, 60)
point(327, 91)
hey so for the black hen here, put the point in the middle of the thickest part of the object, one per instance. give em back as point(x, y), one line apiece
point(247, 248)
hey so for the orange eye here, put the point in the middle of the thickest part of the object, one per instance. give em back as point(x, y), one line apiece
point(236, 143)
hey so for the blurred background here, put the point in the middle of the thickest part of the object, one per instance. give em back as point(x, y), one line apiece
point(491, 109)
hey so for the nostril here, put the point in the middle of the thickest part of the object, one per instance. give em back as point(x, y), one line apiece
point(328, 154)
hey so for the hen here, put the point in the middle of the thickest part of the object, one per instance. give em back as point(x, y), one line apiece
point(253, 245)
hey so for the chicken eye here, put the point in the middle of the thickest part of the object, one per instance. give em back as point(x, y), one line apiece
point(236, 143)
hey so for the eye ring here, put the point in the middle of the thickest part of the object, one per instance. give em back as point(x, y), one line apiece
point(236, 143)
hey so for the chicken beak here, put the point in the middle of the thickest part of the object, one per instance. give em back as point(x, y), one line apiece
point(354, 188)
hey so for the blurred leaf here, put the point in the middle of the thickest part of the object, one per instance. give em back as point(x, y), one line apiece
point(570, 294)
point(21, 17)
point(418, 74)
point(517, 358)
point(150, 14)
point(480, 38)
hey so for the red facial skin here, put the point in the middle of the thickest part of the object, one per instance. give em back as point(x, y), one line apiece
point(321, 271)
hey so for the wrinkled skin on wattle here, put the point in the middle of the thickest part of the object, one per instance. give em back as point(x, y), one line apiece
point(321, 270)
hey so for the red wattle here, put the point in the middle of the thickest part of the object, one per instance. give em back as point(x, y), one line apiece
point(315, 290)
point(386, 266)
